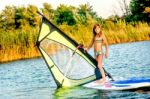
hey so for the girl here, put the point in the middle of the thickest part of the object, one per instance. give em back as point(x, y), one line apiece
point(98, 39)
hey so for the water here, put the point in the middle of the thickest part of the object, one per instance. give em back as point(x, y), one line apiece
point(31, 79)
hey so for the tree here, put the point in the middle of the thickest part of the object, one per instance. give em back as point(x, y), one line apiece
point(84, 12)
point(64, 14)
point(20, 16)
point(31, 15)
point(7, 18)
point(124, 7)
point(139, 10)
point(26, 16)
point(48, 11)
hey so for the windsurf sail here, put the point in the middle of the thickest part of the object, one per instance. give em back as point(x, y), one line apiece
point(68, 64)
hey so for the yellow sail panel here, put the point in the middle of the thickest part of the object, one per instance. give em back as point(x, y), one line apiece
point(45, 29)
point(56, 36)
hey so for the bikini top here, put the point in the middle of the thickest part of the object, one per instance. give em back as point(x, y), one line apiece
point(100, 39)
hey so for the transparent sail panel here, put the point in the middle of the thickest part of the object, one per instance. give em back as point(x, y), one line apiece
point(75, 67)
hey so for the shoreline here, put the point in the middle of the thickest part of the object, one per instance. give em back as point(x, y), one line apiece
point(38, 55)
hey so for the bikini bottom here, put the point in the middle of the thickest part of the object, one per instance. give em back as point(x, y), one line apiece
point(98, 53)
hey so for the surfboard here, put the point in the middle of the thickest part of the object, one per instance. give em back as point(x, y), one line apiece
point(129, 84)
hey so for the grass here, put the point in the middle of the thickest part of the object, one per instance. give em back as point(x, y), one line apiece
point(115, 32)
point(20, 44)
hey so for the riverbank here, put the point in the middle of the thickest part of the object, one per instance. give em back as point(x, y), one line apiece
point(21, 45)
point(13, 54)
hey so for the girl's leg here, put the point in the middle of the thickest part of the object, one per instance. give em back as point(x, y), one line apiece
point(100, 61)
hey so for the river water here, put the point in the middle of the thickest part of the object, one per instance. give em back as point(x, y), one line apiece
point(31, 79)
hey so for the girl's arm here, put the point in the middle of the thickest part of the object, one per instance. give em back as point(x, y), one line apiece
point(106, 45)
point(91, 44)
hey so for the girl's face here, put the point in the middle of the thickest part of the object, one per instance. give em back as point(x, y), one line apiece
point(97, 29)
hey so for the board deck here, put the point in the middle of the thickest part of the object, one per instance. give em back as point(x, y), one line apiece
point(129, 84)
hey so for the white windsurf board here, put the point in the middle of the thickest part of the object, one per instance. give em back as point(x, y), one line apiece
point(121, 84)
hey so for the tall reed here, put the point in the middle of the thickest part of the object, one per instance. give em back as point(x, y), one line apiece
point(20, 44)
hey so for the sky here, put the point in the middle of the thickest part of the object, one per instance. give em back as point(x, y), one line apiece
point(104, 8)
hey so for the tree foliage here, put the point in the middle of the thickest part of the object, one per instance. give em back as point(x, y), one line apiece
point(19, 17)
point(48, 11)
point(7, 17)
point(26, 16)
point(140, 10)
point(64, 14)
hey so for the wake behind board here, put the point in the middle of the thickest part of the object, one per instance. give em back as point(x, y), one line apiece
point(130, 84)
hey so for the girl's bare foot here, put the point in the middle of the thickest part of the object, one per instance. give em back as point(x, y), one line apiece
point(99, 81)
point(102, 83)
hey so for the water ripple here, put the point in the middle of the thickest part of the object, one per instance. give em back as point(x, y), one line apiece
point(31, 79)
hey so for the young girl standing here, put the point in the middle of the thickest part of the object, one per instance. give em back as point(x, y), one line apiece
point(98, 40)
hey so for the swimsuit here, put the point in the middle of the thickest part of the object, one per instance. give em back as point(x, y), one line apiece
point(98, 53)
point(98, 40)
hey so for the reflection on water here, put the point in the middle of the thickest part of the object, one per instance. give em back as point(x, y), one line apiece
point(78, 92)
point(31, 79)
point(86, 93)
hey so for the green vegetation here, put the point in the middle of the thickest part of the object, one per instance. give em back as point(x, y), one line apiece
point(19, 27)
point(140, 10)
